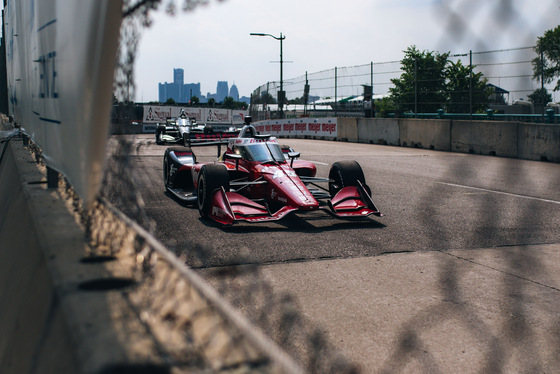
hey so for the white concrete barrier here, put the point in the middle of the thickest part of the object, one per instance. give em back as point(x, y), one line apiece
point(505, 139)
point(380, 131)
point(485, 138)
point(433, 134)
point(539, 142)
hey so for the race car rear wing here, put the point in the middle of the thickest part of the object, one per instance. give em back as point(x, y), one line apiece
point(211, 138)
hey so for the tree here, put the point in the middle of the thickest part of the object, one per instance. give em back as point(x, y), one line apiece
point(385, 106)
point(170, 101)
point(540, 97)
point(297, 100)
point(264, 98)
point(229, 102)
point(211, 102)
point(421, 86)
point(195, 100)
point(459, 89)
point(547, 68)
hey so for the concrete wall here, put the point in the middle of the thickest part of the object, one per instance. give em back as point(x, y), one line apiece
point(381, 131)
point(505, 139)
point(434, 134)
point(35, 334)
point(347, 129)
point(539, 142)
point(487, 138)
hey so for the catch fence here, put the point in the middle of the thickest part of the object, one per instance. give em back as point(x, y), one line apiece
point(340, 91)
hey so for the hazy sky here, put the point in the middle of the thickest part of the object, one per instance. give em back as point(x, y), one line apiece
point(213, 43)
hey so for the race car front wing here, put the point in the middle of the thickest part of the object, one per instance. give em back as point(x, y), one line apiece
point(228, 208)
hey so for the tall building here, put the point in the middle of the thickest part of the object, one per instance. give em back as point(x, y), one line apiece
point(190, 90)
point(233, 92)
point(182, 93)
point(169, 91)
point(178, 76)
point(221, 91)
point(178, 90)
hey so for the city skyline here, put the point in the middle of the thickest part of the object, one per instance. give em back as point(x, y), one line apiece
point(182, 92)
point(323, 35)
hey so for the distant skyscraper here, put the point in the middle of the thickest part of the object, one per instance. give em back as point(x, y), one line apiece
point(169, 91)
point(233, 92)
point(178, 90)
point(182, 93)
point(190, 90)
point(178, 76)
point(221, 91)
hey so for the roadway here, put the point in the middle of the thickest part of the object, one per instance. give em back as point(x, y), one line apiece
point(434, 204)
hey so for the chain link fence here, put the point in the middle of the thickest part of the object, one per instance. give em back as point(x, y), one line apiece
point(340, 91)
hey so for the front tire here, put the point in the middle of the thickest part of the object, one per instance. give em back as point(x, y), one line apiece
point(210, 178)
point(166, 171)
point(158, 137)
point(344, 174)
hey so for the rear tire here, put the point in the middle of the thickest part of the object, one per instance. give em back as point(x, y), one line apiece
point(344, 174)
point(211, 178)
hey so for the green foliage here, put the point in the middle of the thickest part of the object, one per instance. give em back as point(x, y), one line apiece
point(229, 102)
point(430, 81)
point(385, 106)
point(297, 100)
point(548, 68)
point(265, 98)
point(540, 97)
point(423, 77)
point(170, 101)
point(194, 100)
point(459, 89)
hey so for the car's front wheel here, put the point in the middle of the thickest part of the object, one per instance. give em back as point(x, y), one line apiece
point(159, 141)
point(344, 174)
point(166, 170)
point(210, 178)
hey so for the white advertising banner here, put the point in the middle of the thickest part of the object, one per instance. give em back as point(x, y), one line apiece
point(158, 114)
point(320, 127)
point(60, 57)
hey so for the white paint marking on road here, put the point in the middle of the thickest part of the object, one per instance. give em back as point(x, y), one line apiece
point(501, 193)
point(320, 163)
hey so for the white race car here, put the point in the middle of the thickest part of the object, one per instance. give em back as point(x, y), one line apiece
point(185, 131)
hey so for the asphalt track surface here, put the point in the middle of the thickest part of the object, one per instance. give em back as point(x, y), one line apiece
point(459, 275)
point(430, 200)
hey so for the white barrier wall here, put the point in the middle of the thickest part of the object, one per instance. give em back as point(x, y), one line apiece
point(159, 113)
point(506, 139)
point(60, 57)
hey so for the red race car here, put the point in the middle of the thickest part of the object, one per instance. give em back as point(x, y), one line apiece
point(255, 181)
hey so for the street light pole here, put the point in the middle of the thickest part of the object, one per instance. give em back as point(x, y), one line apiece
point(281, 95)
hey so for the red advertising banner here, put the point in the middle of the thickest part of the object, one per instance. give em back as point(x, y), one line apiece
point(321, 127)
